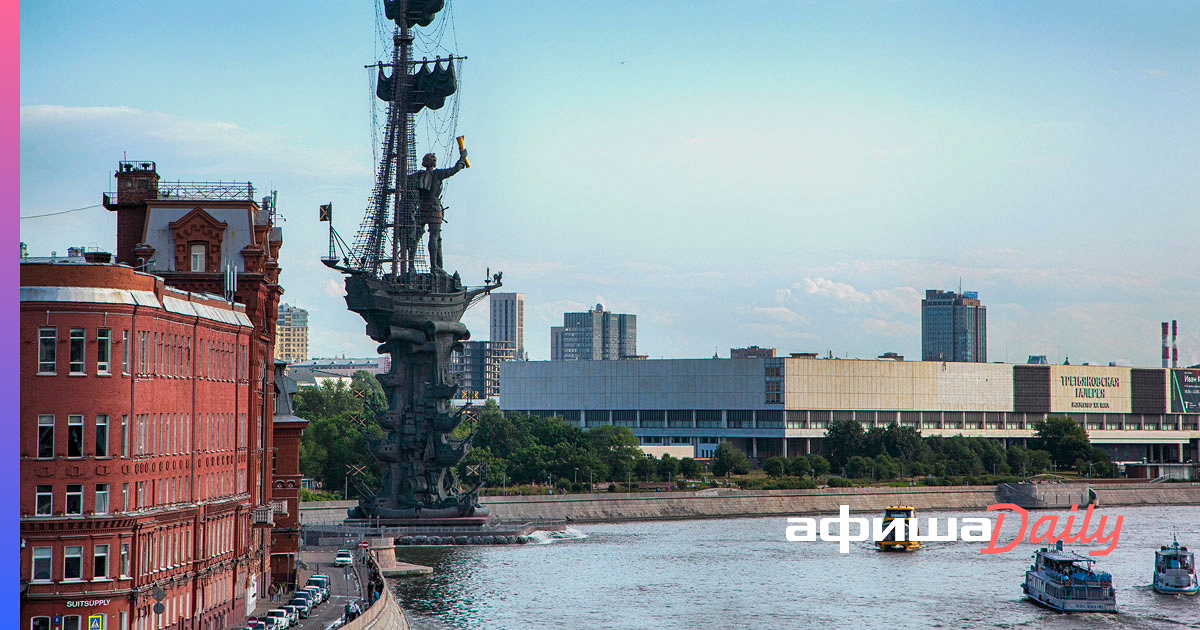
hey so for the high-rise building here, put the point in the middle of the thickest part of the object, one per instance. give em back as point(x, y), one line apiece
point(953, 327)
point(752, 352)
point(477, 366)
point(147, 415)
point(508, 321)
point(291, 334)
point(594, 334)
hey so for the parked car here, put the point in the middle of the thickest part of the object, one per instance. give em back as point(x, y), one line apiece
point(281, 617)
point(293, 613)
point(318, 594)
point(302, 604)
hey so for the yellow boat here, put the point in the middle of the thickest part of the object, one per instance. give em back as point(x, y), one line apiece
point(889, 542)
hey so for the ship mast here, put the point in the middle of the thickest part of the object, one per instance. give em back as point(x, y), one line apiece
point(398, 116)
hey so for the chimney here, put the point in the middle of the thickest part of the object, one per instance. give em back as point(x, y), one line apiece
point(1166, 351)
point(1174, 347)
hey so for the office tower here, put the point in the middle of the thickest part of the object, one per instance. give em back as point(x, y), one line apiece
point(477, 366)
point(594, 334)
point(752, 352)
point(508, 321)
point(953, 327)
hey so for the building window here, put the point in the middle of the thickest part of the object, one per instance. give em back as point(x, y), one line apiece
point(102, 436)
point(73, 562)
point(71, 622)
point(44, 502)
point(198, 257)
point(45, 437)
point(124, 559)
point(101, 498)
point(125, 497)
point(103, 351)
point(39, 623)
point(74, 436)
point(47, 350)
point(42, 559)
point(100, 562)
point(75, 498)
point(78, 339)
point(124, 351)
point(124, 436)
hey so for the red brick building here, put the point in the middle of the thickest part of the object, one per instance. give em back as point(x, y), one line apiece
point(147, 413)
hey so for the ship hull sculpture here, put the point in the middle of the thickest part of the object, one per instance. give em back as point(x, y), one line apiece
point(414, 308)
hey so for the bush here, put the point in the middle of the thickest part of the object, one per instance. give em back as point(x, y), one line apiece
point(840, 482)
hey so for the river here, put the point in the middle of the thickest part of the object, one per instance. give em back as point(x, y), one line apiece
point(742, 573)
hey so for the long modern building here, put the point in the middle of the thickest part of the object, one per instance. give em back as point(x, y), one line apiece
point(593, 335)
point(782, 406)
point(953, 327)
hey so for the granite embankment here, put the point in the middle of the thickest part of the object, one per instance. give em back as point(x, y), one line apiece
point(715, 503)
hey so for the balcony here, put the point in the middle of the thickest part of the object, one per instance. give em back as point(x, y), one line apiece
point(264, 516)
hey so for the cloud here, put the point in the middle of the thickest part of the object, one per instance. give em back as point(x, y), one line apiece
point(780, 314)
point(903, 299)
point(1154, 72)
point(332, 288)
point(889, 328)
point(223, 145)
point(838, 290)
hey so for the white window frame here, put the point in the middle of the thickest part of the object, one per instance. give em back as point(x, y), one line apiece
point(102, 437)
point(68, 555)
point(45, 554)
point(198, 252)
point(75, 421)
point(46, 420)
point(102, 498)
point(77, 341)
point(69, 494)
point(33, 622)
point(47, 354)
point(104, 351)
point(98, 552)
point(41, 492)
point(124, 352)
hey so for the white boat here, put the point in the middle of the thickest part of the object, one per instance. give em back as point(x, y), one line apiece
point(1175, 570)
point(1066, 582)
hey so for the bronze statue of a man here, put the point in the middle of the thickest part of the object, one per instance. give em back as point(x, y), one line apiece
point(428, 186)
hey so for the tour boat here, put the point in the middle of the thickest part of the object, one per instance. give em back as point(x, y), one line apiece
point(889, 542)
point(1175, 570)
point(1066, 582)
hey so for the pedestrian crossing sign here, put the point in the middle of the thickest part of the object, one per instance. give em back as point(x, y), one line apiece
point(96, 622)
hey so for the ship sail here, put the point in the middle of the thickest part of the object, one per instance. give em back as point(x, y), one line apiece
point(427, 87)
point(420, 12)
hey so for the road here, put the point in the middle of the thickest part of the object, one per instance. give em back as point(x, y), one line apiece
point(344, 586)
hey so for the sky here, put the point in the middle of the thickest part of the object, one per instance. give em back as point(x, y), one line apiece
point(779, 173)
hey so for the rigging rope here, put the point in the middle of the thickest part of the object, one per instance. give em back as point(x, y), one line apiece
point(50, 214)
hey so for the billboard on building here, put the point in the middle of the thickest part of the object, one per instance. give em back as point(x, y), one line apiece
point(1185, 391)
point(1089, 389)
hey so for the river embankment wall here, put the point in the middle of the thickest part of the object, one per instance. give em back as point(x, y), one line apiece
point(721, 503)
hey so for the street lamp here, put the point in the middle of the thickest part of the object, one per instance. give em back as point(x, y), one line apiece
point(576, 476)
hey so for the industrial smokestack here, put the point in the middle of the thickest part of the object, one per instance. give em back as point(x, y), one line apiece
point(1174, 347)
point(1166, 350)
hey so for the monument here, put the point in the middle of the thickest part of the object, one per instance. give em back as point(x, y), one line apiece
point(411, 305)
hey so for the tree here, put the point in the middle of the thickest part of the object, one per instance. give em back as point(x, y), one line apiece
point(644, 467)
point(858, 467)
point(668, 467)
point(1063, 438)
point(843, 439)
point(798, 466)
point(775, 466)
point(727, 459)
point(689, 468)
point(819, 464)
